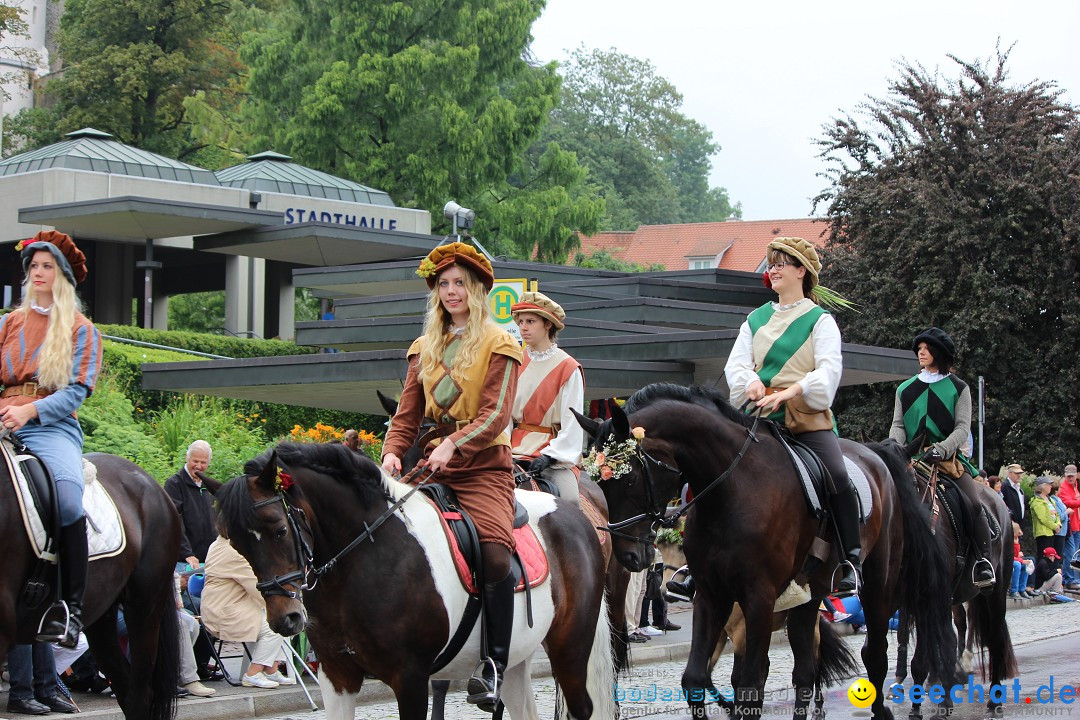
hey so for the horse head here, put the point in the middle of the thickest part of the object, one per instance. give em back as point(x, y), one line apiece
point(264, 518)
point(633, 471)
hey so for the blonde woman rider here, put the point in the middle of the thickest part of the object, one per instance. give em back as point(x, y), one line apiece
point(462, 376)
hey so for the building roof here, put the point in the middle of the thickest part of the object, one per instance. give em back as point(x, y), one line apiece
point(742, 242)
point(273, 172)
point(90, 149)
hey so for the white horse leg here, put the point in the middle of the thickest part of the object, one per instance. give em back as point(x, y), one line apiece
point(339, 705)
point(517, 693)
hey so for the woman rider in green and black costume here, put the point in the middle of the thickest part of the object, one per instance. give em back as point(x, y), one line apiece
point(936, 405)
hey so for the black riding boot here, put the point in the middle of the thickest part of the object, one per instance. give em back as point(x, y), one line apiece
point(845, 510)
point(73, 561)
point(983, 576)
point(681, 589)
point(485, 689)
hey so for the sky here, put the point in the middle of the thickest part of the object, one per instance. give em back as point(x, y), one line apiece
point(765, 77)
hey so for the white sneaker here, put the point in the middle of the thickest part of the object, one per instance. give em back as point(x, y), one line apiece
point(258, 680)
point(650, 631)
point(197, 689)
point(280, 679)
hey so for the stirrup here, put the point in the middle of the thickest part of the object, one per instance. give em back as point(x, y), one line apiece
point(484, 698)
point(51, 637)
point(854, 573)
point(983, 583)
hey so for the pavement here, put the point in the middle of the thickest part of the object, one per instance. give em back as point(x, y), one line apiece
point(662, 659)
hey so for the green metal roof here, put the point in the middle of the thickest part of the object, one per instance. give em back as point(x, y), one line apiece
point(273, 172)
point(90, 149)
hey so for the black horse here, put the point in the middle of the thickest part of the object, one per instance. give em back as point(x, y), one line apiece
point(140, 578)
point(750, 534)
point(984, 610)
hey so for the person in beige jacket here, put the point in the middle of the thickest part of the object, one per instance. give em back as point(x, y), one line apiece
point(233, 610)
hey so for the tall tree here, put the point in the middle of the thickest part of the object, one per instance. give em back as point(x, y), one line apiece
point(129, 67)
point(428, 100)
point(650, 161)
point(955, 202)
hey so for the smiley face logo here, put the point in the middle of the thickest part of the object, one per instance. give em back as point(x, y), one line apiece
point(862, 693)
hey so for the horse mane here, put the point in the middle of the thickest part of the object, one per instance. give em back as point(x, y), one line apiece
point(706, 397)
point(334, 460)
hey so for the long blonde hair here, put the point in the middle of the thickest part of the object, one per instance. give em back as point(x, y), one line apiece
point(437, 324)
point(55, 357)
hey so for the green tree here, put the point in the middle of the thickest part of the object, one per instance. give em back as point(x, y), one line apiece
point(650, 161)
point(129, 66)
point(603, 260)
point(198, 312)
point(954, 202)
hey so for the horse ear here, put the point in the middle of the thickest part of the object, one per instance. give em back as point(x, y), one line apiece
point(268, 476)
point(389, 404)
point(912, 448)
point(619, 422)
point(590, 426)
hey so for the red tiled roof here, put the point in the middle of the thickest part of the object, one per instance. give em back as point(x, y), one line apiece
point(742, 242)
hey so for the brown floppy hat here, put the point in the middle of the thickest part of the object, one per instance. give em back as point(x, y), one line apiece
point(542, 305)
point(68, 256)
point(456, 253)
point(800, 249)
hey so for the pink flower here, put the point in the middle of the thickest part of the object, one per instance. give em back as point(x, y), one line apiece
point(606, 473)
point(600, 458)
point(638, 433)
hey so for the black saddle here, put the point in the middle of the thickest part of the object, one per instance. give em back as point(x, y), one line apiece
point(524, 479)
point(815, 478)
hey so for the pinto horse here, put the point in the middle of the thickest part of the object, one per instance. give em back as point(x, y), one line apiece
point(362, 560)
point(751, 531)
point(140, 577)
point(984, 611)
point(615, 581)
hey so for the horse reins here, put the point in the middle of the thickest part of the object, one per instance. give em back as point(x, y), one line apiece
point(655, 512)
point(305, 555)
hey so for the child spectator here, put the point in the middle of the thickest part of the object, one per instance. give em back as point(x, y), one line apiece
point(1018, 589)
point(1048, 574)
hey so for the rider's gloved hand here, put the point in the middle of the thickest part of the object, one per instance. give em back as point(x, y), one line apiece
point(541, 464)
point(934, 454)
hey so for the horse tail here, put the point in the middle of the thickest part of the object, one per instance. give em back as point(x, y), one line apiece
point(992, 633)
point(166, 673)
point(836, 662)
point(924, 571)
point(600, 682)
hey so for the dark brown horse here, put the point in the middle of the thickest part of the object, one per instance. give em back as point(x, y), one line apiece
point(751, 531)
point(984, 611)
point(381, 596)
point(140, 578)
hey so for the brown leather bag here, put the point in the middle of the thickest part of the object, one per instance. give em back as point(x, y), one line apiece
point(799, 418)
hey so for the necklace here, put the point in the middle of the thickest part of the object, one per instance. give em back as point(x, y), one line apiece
point(538, 355)
point(781, 308)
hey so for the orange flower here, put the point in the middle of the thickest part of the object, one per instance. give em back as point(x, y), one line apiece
point(606, 473)
point(600, 458)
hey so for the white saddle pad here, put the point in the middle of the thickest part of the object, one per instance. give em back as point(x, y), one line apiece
point(862, 484)
point(104, 530)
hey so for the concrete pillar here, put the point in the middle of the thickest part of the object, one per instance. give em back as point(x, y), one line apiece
point(160, 319)
point(257, 298)
point(236, 293)
point(112, 272)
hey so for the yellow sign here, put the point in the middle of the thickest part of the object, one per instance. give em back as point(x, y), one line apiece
point(503, 295)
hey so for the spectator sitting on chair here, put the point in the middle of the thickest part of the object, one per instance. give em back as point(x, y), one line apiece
point(189, 635)
point(1018, 588)
point(234, 611)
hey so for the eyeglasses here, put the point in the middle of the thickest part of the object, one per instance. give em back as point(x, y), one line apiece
point(779, 266)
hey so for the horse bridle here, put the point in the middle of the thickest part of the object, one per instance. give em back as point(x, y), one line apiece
point(305, 554)
point(656, 512)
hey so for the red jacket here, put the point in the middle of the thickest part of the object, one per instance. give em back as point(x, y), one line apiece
point(1070, 495)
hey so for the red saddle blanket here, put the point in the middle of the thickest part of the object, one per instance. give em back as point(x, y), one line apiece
point(533, 558)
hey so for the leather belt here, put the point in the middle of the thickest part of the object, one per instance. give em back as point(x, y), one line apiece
point(30, 389)
point(537, 429)
point(440, 430)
